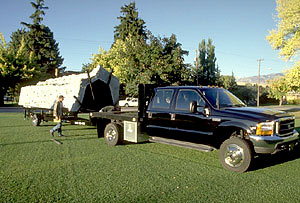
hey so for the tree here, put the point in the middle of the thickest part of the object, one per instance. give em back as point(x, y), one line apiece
point(286, 39)
point(292, 77)
point(88, 67)
point(211, 71)
point(130, 24)
point(41, 41)
point(167, 61)
point(246, 93)
point(15, 66)
point(136, 62)
point(138, 57)
point(207, 72)
point(287, 35)
point(228, 82)
point(278, 88)
point(16, 38)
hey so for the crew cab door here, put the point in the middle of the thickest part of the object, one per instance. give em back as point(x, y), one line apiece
point(158, 112)
point(186, 122)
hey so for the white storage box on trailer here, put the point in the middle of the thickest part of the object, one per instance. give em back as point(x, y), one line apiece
point(76, 90)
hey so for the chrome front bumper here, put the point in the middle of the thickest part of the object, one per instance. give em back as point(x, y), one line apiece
point(273, 144)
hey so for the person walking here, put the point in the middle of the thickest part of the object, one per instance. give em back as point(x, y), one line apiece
point(57, 114)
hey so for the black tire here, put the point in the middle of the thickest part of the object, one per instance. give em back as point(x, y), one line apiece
point(36, 120)
point(236, 154)
point(113, 134)
point(126, 105)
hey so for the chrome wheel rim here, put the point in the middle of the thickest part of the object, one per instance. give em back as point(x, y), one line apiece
point(111, 134)
point(234, 155)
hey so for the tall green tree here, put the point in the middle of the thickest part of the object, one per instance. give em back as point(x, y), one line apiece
point(207, 72)
point(15, 66)
point(42, 42)
point(136, 62)
point(130, 24)
point(167, 61)
point(286, 39)
point(287, 35)
point(138, 57)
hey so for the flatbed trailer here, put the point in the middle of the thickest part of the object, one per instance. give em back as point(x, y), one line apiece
point(40, 115)
point(84, 93)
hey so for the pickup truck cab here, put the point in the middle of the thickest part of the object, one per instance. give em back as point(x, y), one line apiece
point(206, 111)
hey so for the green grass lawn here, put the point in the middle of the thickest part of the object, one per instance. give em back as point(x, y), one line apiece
point(84, 169)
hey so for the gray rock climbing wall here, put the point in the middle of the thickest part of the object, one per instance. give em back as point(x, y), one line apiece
point(44, 94)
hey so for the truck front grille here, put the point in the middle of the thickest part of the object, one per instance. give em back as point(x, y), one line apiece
point(286, 127)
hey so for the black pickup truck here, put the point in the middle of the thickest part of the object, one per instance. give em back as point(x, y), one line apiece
point(193, 111)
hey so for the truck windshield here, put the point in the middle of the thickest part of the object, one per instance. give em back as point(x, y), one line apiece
point(221, 98)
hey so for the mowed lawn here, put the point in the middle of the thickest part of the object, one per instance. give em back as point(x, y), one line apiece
point(84, 169)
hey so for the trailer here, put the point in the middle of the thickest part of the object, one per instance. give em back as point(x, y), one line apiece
point(39, 116)
point(84, 93)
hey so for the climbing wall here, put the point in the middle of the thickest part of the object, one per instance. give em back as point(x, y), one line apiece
point(44, 94)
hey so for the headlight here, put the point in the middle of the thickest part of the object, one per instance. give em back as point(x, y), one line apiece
point(265, 129)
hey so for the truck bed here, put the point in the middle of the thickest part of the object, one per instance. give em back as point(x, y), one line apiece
point(117, 115)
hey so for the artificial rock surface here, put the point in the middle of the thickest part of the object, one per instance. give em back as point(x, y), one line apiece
point(44, 94)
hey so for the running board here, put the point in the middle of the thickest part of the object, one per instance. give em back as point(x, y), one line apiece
point(190, 145)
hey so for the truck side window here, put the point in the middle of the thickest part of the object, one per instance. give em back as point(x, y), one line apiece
point(185, 97)
point(162, 99)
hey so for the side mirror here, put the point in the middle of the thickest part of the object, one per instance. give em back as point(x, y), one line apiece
point(193, 107)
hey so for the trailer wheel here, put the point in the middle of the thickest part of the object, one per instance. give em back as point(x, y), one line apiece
point(113, 134)
point(36, 120)
point(236, 154)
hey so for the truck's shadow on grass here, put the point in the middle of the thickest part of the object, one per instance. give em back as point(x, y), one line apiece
point(259, 162)
point(265, 161)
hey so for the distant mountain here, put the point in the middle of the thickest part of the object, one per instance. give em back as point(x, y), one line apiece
point(263, 78)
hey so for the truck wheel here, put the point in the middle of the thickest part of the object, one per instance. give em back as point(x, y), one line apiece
point(126, 105)
point(113, 134)
point(36, 120)
point(236, 154)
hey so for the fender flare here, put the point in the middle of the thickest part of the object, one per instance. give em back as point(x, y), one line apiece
point(231, 124)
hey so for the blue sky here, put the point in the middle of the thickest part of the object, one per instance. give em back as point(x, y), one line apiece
point(238, 28)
